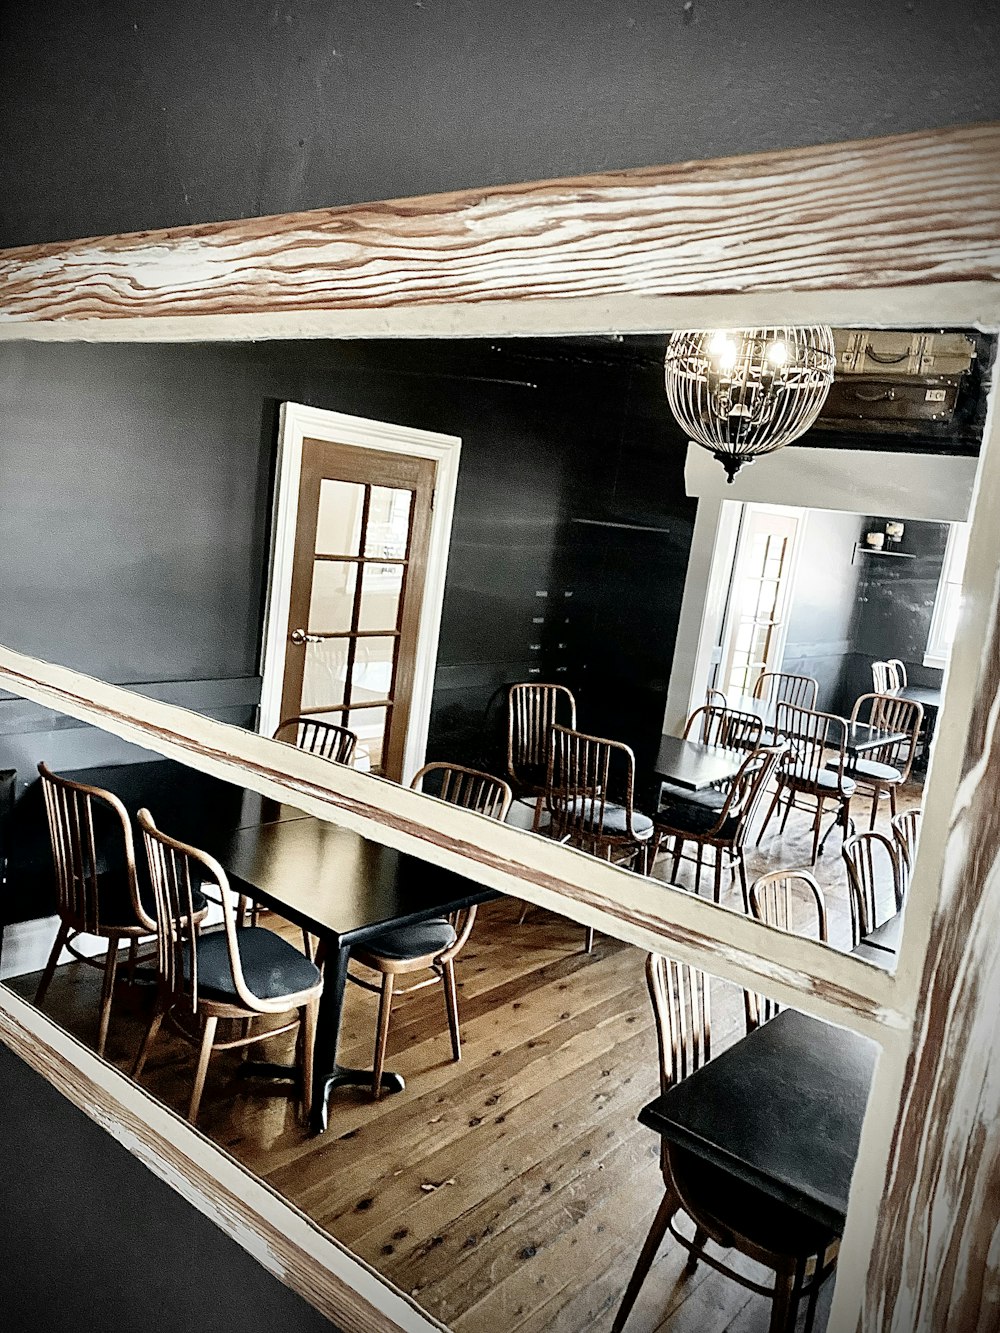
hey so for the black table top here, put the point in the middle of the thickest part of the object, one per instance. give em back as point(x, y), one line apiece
point(694, 766)
point(928, 695)
point(335, 883)
point(781, 1110)
point(861, 738)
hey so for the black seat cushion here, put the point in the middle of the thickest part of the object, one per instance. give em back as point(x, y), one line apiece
point(736, 1206)
point(615, 818)
point(824, 780)
point(271, 966)
point(693, 811)
point(419, 941)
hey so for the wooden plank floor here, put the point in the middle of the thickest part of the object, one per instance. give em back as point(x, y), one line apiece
point(511, 1191)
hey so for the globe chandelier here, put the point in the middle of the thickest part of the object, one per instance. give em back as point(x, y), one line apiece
point(741, 393)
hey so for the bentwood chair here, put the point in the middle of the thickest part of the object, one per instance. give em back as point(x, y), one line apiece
point(874, 882)
point(733, 1215)
point(532, 711)
point(715, 724)
point(807, 772)
point(96, 883)
point(716, 820)
point(431, 946)
point(881, 771)
point(790, 900)
point(888, 677)
point(905, 832)
point(318, 737)
point(775, 687)
point(240, 972)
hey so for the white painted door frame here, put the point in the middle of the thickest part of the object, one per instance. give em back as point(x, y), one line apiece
point(297, 424)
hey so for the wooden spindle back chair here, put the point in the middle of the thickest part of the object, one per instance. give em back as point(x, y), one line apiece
point(591, 792)
point(807, 770)
point(532, 711)
point(723, 829)
point(885, 768)
point(888, 677)
point(433, 945)
point(722, 1211)
point(203, 977)
point(718, 725)
point(328, 739)
point(905, 832)
point(776, 687)
point(872, 874)
point(97, 889)
point(783, 899)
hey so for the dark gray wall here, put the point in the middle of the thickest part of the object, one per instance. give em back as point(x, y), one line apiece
point(118, 115)
point(846, 615)
point(824, 610)
point(90, 1239)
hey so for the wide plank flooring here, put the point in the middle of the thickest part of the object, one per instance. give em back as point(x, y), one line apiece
point(510, 1191)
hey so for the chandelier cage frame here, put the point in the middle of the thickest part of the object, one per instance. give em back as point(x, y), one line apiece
point(743, 393)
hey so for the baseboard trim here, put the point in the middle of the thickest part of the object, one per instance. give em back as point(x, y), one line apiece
point(27, 944)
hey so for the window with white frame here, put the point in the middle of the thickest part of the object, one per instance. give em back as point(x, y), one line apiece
point(947, 603)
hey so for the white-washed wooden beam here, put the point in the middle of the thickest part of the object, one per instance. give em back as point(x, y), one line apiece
point(280, 1237)
point(893, 213)
point(635, 908)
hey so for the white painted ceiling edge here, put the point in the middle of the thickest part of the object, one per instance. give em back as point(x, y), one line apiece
point(896, 485)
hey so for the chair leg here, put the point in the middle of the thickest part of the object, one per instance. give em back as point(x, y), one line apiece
point(770, 811)
point(62, 935)
point(139, 1063)
point(382, 1031)
point(204, 1055)
point(647, 1254)
point(307, 945)
point(524, 914)
point(876, 792)
point(817, 829)
point(817, 1282)
point(697, 867)
point(892, 800)
point(788, 810)
point(697, 1245)
point(678, 851)
point(107, 993)
point(588, 940)
point(451, 1005)
point(845, 814)
point(133, 950)
point(744, 886)
point(717, 885)
point(784, 1301)
point(310, 1013)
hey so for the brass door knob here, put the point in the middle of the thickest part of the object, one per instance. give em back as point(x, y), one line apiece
point(300, 636)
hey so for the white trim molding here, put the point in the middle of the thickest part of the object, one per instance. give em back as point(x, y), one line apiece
point(297, 424)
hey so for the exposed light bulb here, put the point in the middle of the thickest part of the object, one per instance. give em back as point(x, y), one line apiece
point(777, 353)
point(723, 350)
point(719, 342)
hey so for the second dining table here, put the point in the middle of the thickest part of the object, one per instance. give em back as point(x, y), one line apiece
point(334, 883)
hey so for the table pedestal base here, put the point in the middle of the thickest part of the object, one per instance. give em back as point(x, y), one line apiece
point(346, 1078)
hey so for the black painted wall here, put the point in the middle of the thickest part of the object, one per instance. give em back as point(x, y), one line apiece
point(137, 501)
point(90, 1239)
point(121, 114)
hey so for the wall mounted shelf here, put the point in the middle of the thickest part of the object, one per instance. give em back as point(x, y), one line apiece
point(861, 549)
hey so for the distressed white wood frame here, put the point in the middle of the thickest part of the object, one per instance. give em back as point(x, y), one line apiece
point(297, 423)
point(900, 232)
point(900, 485)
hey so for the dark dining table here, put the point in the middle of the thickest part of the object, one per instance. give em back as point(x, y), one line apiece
point(859, 738)
point(780, 1110)
point(336, 884)
point(694, 766)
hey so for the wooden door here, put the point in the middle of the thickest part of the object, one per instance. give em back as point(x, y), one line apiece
point(361, 544)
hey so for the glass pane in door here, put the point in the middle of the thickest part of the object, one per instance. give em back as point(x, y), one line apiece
point(372, 675)
point(324, 677)
point(338, 521)
point(331, 601)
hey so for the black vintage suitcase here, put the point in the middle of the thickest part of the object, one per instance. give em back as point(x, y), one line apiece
point(866, 398)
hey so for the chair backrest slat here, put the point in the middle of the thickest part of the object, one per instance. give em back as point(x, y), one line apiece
point(327, 739)
point(887, 712)
point(90, 834)
point(585, 775)
point(785, 687)
point(905, 832)
point(682, 1009)
point(871, 860)
point(813, 739)
point(468, 787)
point(532, 711)
point(772, 899)
point(888, 677)
point(715, 724)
